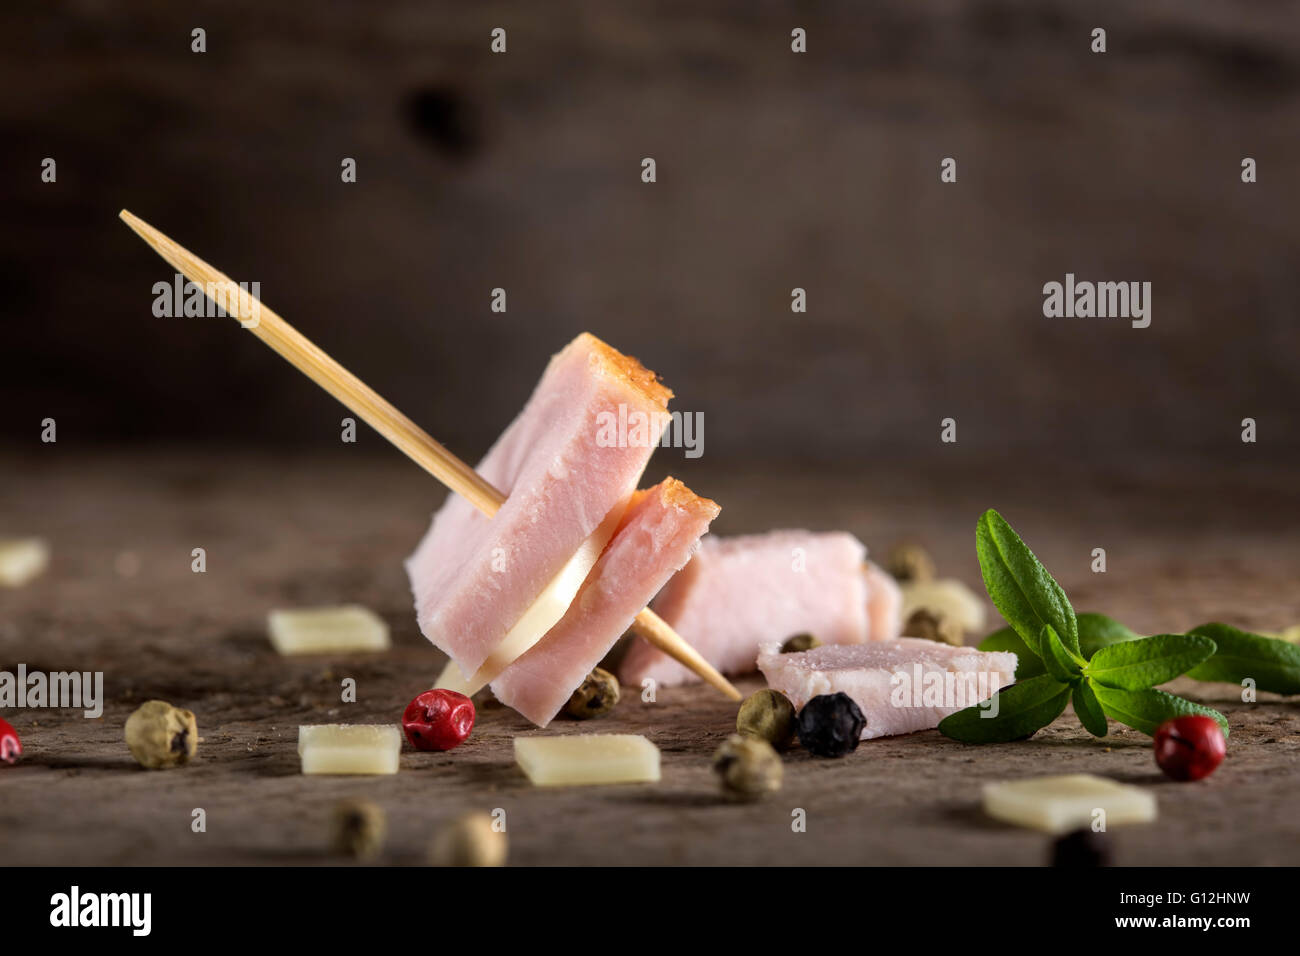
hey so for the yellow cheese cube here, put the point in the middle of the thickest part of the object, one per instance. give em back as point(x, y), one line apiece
point(1069, 802)
point(349, 748)
point(581, 759)
point(328, 630)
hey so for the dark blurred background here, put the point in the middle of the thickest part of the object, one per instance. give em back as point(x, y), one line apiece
point(523, 171)
point(775, 170)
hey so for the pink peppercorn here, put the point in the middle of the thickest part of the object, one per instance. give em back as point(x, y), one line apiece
point(438, 720)
point(10, 746)
point(1189, 748)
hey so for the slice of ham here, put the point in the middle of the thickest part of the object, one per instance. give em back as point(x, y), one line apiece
point(473, 577)
point(741, 592)
point(901, 685)
point(660, 531)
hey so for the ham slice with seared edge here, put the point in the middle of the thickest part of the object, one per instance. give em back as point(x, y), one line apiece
point(488, 589)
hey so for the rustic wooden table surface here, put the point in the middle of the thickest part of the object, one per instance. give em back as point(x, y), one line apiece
point(1185, 544)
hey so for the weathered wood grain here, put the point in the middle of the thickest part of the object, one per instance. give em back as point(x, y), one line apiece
point(1184, 546)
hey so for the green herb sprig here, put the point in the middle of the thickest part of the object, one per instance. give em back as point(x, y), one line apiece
point(1273, 665)
point(1106, 669)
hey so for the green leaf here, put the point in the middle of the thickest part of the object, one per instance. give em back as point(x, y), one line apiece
point(1026, 595)
point(1088, 709)
point(1145, 710)
point(1028, 664)
point(1273, 665)
point(1147, 661)
point(1023, 709)
point(1097, 631)
point(1058, 661)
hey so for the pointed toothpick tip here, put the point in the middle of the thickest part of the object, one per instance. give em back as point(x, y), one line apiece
point(137, 225)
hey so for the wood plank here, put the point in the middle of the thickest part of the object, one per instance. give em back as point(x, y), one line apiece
point(1185, 545)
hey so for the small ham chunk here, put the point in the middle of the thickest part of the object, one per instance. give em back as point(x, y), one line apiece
point(739, 593)
point(901, 686)
point(659, 533)
point(884, 604)
point(475, 577)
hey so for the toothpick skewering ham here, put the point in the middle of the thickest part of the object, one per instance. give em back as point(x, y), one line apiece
point(408, 437)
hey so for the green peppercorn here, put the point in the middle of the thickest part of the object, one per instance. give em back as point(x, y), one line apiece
point(800, 643)
point(768, 715)
point(470, 840)
point(596, 696)
point(160, 735)
point(935, 626)
point(747, 767)
point(910, 562)
point(359, 829)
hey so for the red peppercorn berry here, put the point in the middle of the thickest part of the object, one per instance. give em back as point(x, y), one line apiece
point(1189, 748)
point(438, 720)
point(10, 746)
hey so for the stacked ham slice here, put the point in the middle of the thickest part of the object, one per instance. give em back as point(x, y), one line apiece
point(531, 598)
point(741, 593)
point(659, 533)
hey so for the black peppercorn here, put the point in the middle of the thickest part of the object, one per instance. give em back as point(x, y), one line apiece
point(1082, 848)
point(830, 725)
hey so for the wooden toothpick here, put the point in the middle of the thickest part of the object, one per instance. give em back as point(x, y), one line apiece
point(367, 404)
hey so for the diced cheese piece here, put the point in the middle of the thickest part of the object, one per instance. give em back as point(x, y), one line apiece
point(349, 748)
point(452, 679)
point(949, 597)
point(741, 592)
point(1069, 802)
point(901, 686)
point(542, 614)
point(563, 467)
point(22, 559)
point(582, 759)
point(661, 530)
point(328, 630)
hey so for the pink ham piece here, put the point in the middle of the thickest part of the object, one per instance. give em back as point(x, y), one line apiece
point(474, 577)
point(884, 604)
point(659, 533)
point(741, 592)
point(901, 685)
